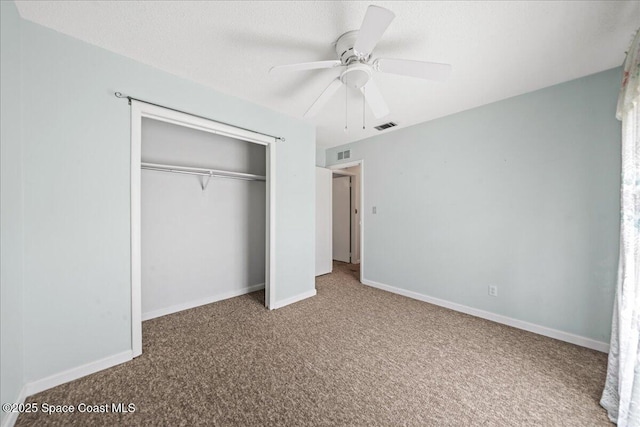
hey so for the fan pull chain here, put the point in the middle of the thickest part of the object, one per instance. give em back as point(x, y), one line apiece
point(346, 96)
point(363, 109)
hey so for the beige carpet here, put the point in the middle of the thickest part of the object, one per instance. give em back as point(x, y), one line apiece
point(352, 355)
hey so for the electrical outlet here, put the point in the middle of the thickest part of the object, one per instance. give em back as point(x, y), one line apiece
point(374, 210)
point(493, 290)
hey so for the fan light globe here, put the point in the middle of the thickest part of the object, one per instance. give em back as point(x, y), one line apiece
point(356, 75)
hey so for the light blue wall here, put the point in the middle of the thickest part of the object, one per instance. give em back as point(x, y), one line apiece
point(11, 207)
point(76, 193)
point(320, 157)
point(522, 194)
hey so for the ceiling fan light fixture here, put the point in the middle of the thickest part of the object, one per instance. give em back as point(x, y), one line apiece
point(356, 75)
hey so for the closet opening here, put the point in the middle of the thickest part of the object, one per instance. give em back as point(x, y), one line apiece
point(202, 213)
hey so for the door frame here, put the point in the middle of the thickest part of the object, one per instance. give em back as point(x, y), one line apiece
point(362, 210)
point(140, 110)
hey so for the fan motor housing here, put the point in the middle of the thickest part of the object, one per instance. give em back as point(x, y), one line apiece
point(344, 47)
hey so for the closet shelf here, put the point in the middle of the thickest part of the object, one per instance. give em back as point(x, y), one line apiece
point(211, 173)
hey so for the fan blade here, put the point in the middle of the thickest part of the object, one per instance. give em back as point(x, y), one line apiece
point(306, 66)
point(375, 23)
point(420, 69)
point(324, 98)
point(374, 99)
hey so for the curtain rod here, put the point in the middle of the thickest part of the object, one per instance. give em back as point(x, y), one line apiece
point(122, 96)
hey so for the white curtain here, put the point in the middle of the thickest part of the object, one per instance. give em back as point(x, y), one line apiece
point(621, 395)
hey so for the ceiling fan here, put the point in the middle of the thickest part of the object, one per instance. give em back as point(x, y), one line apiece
point(354, 50)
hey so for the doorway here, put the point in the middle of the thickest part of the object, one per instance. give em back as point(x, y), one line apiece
point(348, 224)
point(342, 232)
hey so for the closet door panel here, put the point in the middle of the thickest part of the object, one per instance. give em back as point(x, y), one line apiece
point(324, 229)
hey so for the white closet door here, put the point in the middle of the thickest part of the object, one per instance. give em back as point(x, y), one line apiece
point(324, 222)
point(342, 218)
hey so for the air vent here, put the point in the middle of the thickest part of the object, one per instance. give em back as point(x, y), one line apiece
point(386, 126)
point(344, 154)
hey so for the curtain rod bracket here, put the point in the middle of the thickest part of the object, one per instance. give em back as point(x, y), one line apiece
point(120, 95)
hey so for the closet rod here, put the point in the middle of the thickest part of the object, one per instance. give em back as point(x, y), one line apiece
point(216, 173)
point(122, 96)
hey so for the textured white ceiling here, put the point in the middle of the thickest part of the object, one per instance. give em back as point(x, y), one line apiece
point(497, 49)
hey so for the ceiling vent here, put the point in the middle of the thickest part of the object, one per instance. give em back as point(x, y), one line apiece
point(386, 126)
point(344, 154)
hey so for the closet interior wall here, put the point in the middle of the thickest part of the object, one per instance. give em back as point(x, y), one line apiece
point(199, 245)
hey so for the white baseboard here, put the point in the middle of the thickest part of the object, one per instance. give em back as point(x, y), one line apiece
point(65, 377)
point(77, 372)
point(197, 303)
point(11, 417)
point(322, 273)
point(299, 297)
point(498, 318)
